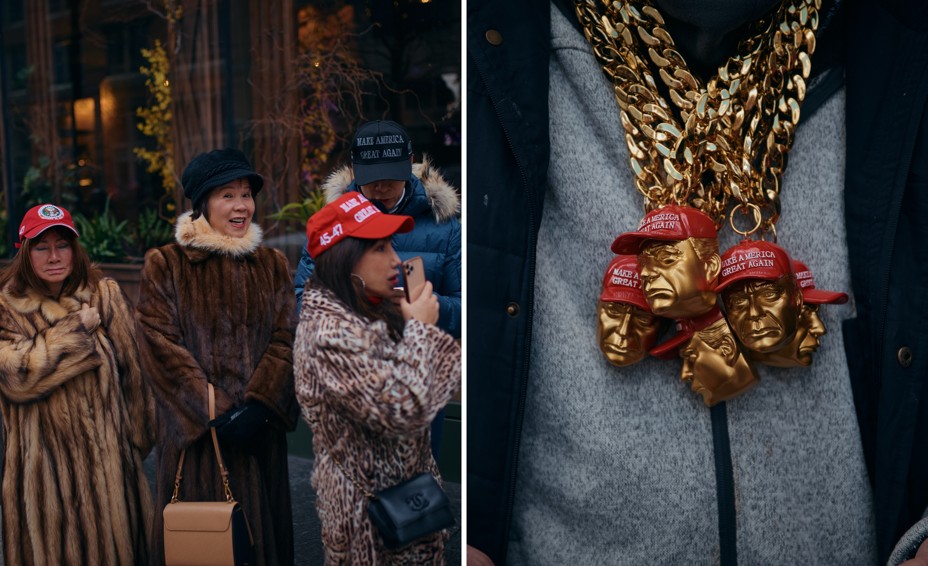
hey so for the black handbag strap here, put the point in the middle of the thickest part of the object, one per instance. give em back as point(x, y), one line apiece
point(222, 468)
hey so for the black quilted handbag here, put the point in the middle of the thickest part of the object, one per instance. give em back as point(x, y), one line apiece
point(410, 510)
point(407, 511)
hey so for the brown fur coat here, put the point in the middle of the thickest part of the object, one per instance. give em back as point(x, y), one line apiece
point(77, 422)
point(221, 309)
point(369, 401)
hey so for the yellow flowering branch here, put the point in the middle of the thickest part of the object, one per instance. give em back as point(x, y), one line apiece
point(156, 118)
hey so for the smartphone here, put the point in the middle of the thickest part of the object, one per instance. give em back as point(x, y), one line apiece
point(413, 273)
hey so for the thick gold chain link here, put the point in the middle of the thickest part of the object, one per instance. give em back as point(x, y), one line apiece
point(705, 144)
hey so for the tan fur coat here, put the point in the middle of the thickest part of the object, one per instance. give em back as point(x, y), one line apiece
point(221, 309)
point(77, 422)
point(369, 401)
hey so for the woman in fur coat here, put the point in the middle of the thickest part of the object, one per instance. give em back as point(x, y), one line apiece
point(370, 378)
point(216, 306)
point(77, 415)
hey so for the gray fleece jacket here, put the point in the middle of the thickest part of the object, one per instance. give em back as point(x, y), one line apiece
point(616, 464)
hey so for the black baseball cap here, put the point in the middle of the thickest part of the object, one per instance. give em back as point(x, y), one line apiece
point(381, 150)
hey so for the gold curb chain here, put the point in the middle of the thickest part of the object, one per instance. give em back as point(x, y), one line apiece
point(699, 144)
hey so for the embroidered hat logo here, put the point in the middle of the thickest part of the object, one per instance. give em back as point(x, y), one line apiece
point(351, 215)
point(50, 212)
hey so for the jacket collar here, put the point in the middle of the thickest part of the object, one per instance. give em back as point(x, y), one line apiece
point(51, 309)
point(199, 240)
point(428, 191)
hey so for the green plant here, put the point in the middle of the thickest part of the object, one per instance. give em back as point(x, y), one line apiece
point(36, 188)
point(151, 231)
point(300, 211)
point(103, 236)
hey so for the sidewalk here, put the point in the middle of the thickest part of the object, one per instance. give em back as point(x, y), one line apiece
point(306, 528)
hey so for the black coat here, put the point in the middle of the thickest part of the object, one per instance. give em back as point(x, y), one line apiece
point(886, 200)
point(886, 210)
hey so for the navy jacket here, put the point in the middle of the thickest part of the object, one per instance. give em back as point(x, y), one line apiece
point(886, 202)
point(434, 205)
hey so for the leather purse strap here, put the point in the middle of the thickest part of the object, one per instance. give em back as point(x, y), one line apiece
point(222, 468)
point(366, 492)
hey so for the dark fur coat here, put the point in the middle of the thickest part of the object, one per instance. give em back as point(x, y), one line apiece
point(369, 401)
point(220, 309)
point(77, 422)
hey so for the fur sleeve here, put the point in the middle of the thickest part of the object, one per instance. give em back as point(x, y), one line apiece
point(32, 365)
point(121, 330)
point(392, 388)
point(177, 380)
point(272, 381)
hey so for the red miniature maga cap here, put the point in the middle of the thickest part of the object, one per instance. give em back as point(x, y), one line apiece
point(810, 294)
point(671, 223)
point(753, 260)
point(42, 217)
point(351, 215)
point(686, 328)
point(622, 284)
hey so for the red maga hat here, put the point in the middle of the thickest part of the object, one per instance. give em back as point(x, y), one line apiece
point(622, 284)
point(42, 217)
point(753, 260)
point(686, 328)
point(351, 215)
point(670, 223)
point(810, 294)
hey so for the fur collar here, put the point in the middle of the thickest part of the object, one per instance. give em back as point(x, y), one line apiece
point(322, 305)
point(443, 199)
point(51, 309)
point(198, 234)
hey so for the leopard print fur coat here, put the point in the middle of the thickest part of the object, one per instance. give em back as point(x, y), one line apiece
point(369, 401)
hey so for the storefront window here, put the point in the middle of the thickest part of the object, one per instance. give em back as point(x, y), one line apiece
point(255, 75)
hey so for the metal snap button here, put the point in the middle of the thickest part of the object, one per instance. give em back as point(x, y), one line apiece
point(512, 309)
point(494, 37)
point(904, 355)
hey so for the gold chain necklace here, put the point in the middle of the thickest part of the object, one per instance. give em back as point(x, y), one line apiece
point(699, 144)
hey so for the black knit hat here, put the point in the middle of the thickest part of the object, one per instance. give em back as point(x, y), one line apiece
point(207, 171)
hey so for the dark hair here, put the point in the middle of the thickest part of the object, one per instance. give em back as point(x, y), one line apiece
point(333, 272)
point(20, 275)
point(200, 208)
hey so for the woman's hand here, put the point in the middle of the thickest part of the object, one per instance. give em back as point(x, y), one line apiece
point(424, 308)
point(477, 558)
point(90, 317)
point(920, 558)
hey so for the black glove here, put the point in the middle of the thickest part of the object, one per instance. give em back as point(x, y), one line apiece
point(240, 425)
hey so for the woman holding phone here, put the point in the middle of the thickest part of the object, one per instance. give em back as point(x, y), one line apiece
point(370, 377)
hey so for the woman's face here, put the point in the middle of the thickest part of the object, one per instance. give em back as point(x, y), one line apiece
point(378, 268)
point(229, 208)
point(51, 257)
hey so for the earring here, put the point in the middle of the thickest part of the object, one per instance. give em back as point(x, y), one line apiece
point(361, 279)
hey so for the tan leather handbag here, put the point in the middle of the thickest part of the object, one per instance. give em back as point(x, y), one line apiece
point(206, 533)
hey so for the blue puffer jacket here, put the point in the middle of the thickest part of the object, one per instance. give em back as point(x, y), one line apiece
point(434, 205)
